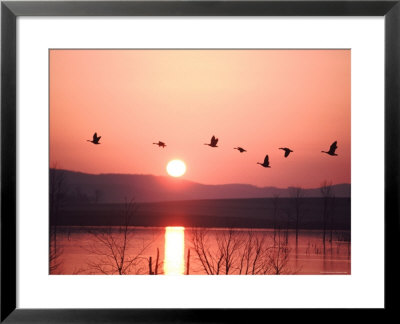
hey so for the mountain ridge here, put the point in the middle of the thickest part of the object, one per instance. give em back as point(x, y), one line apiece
point(116, 187)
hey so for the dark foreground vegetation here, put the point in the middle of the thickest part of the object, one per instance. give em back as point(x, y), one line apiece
point(244, 213)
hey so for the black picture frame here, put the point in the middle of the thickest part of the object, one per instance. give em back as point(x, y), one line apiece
point(10, 10)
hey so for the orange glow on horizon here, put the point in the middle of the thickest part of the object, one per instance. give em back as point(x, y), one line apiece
point(256, 99)
point(174, 263)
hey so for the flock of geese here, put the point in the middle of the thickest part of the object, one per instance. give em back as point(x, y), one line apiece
point(214, 141)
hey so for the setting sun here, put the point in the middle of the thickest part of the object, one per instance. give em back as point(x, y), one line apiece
point(176, 168)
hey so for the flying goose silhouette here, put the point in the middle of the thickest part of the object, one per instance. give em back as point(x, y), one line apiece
point(240, 149)
point(161, 144)
point(213, 142)
point(266, 162)
point(332, 149)
point(287, 151)
point(95, 139)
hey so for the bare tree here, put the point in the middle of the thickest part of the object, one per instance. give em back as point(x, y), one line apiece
point(279, 257)
point(57, 191)
point(297, 195)
point(326, 192)
point(219, 252)
point(112, 247)
point(229, 243)
point(331, 215)
point(275, 202)
point(188, 262)
point(211, 260)
point(235, 252)
point(156, 265)
point(255, 254)
point(288, 213)
point(55, 252)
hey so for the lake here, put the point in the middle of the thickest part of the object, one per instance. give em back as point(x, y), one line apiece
point(199, 251)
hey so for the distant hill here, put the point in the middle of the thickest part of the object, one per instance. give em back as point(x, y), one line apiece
point(113, 188)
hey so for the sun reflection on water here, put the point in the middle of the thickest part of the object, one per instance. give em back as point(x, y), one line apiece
point(174, 251)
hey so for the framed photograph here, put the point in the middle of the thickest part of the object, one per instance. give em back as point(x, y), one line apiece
point(208, 151)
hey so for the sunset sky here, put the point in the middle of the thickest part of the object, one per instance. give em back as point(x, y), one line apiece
point(257, 99)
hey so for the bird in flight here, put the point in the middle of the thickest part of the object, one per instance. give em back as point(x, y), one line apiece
point(287, 151)
point(161, 144)
point(332, 149)
point(213, 142)
point(95, 139)
point(266, 162)
point(240, 149)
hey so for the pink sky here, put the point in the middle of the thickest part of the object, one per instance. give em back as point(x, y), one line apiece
point(258, 99)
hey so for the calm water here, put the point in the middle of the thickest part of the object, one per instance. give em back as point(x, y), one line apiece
point(97, 250)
